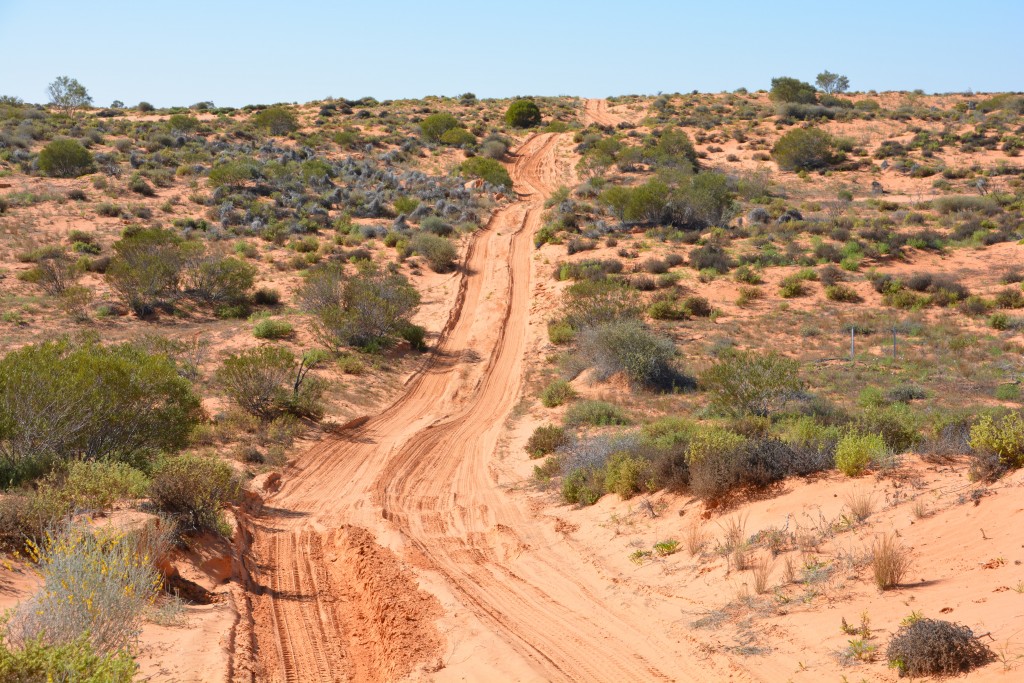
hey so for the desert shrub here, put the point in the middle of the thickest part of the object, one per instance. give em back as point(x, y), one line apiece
point(696, 306)
point(322, 287)
point(583, 486)
point(646, 203)
point(523, 114)
point(276, 120)
point(750, 383)
point(965, 203)
point(933, 647)
point(592, 303)
point(266, 296)
point(258, 380)
point(546, 439)
point(439, 252)
point(561, 332)
point(711, 255)
point(94, 582)
point(435, 126)
point(787, 89)
point(803, 149)
point(897, 424)
point(138, 185)
point(627, 475)
point(77, 661)
point(489, 170)
point(890, 561)
point(95, 484)
point(373, 308)
point(271, 328)
point(232, 173)
point(55, 271)
point(193, 489)
point(792, 286)
point(714, 459)
point(596, 413)
point(146, 268)
point(65, 158)
point(217, 280)
point(855, 452)
point(458, 137)
point(747, 275)
point(556, 393)
point(1009, 298)
point(60, 402)
point(842, 293)
point(627, 346)
point(437, 226)
point(1004, 438)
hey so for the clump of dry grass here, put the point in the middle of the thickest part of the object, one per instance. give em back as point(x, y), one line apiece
point(890, 561)
point(696, 539)
point(861, 504)
point(761, 568)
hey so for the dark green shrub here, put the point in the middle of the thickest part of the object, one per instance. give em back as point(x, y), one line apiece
point(194, 488)
point(545, 440)
point(489, 169)
point(266, 296)
point(842, 293)
point(933, 647)
point(437, 226)
point(786, 89)
point(232, 173)
point(1004, 438)
point(138, 185)
point(803, 149)
point(65, 158)
point(439, 252)
point(750, 383)
point(60, 402)
point(897, 424)
point(458, 137)
point(557, 393)
point(415, 336)
point(627, 346)
point(523, 114)
point(583, 486)
point(435, 126)
point(596, 413)
point(277, 120)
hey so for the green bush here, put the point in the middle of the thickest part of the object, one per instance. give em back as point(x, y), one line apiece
point(523, 114)
point(194, 488)
point(842, 293)
point(60, 402)
point(490, 170)
point(1004, 438)
point(217, 280)
point(96, 484)
point(458, 137)
point(76, 661)
point(260, 381)
point(627, 346)
point(786, 89)
point(372, 310)
point(277, 120)
point(65, 158)
point(232, 173)
point(146, 268)
point(546, 439)
point(596, 413)
point(714, 459)
point(583, 486)
point(560, 332)
point(270, 328)
point(627, 475)
point(557, 393)
point(435, 126)
point(750, 383)
point(439, 252)
point(803, 149)
point(897, 424)
point(855, 452)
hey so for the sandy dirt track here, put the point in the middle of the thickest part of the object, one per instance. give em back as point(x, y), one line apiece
point(328, 602)
point(597, 111)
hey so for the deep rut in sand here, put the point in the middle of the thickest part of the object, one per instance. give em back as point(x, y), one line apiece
point(328, 603)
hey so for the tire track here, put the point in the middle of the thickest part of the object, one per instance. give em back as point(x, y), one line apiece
point(420, 468)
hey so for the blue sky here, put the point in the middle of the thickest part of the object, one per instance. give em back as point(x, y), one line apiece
point(237, 53)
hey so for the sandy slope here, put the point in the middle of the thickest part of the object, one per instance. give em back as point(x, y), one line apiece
point(598, 111)
point(332, 598)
